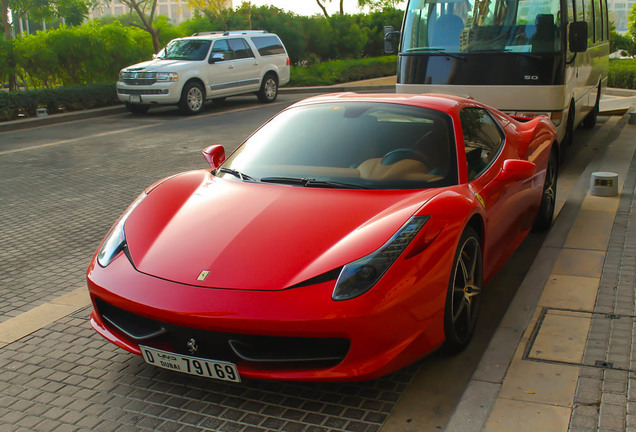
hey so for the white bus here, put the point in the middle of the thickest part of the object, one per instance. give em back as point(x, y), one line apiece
point(524, 57)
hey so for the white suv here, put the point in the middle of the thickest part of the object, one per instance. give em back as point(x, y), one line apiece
point(191, 70)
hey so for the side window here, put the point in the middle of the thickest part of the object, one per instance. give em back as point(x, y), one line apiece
point(221, 46)
point(589, 18)
point(240, 48)
point(482, 139)
point(268, 45)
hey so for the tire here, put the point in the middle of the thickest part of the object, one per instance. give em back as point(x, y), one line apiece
point(269, 89)
point(192, 98)
point(548, 200)
point(464, 292)
point(137, 109)
point(590, 120)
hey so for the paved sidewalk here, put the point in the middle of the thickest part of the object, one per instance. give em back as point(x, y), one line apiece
point(573, 365)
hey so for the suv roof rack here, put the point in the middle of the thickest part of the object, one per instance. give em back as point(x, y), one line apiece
point(228, 33)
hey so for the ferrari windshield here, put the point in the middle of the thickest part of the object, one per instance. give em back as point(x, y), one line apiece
point(482, 25)
point(185, 49)
point(350, 145)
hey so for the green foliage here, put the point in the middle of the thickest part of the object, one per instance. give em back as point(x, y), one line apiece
point(622, 74)
point(14, 103)
point(79, 55)
point(621, 42)
point(339, 71)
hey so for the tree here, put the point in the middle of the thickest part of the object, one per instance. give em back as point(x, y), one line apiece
point(73, 11)
point(145, 10)
point(378, 5)
point(321, 5)
point(631, 22)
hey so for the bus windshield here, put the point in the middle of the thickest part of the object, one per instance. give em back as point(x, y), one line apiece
point(482, 26)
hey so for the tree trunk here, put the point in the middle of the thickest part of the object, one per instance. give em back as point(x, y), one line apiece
point(341, 7)
point(324, 10)
point(4, 10)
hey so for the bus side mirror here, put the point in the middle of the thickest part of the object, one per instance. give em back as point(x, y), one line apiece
point(389, 39)
point(578, 36)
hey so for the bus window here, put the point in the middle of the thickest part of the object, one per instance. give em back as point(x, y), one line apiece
point(598, 21)
point(482, 25)
point(589, 18)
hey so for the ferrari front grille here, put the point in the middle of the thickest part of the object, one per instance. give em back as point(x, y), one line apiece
point(252, 351)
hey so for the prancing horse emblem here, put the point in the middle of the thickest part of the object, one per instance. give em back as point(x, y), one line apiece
point(192, 346)
point(204, 274)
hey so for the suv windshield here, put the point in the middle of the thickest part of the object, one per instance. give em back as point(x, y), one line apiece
point(366, 145)
point(482, 25)
point(185, 49)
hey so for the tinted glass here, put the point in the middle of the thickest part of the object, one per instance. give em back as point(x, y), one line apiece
point(473, 26)
point(482, 139)
point(240, 48)
point(186, 49)
point(371, 145)
point(268, 45)
point(222, 47)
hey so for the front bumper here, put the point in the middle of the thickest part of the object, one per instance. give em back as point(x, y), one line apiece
point(168, 93)
point(383, 330)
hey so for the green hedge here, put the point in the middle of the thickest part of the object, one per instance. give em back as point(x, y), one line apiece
point(340, 71)
point(622, 73)
point(55, 100)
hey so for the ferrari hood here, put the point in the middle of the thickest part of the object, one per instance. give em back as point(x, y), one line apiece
point(201, 230)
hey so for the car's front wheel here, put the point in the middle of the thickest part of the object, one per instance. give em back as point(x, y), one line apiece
point(192, 98)
point(269, 89)
point(548, 199)
point(464, 293)
point(136, 108)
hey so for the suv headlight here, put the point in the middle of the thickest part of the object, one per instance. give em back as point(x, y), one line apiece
point(115, 239)
point(167, 76)
point(358, 277)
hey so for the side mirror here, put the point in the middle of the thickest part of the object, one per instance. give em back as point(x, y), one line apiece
point(216, 57)
point(389, 39)
point(215, 155)
point(578, 36)
point(516, 170)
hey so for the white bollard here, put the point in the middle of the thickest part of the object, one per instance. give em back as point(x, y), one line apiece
point(604, 184)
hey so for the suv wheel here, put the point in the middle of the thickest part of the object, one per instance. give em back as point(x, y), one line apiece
point(269, 89)
point(192, 98)
point(137, 109)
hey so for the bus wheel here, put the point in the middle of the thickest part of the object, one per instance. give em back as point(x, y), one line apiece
point(590, 120)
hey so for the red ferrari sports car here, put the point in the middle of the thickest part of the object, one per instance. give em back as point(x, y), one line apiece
point(347, 237)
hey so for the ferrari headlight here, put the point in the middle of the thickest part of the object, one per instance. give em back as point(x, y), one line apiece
point(167, 76)
point(116, 240)
point(358, 277)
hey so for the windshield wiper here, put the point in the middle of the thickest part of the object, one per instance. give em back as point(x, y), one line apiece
point(434, 50)
point(235, 173)
point(311, 182)
point(507, 51)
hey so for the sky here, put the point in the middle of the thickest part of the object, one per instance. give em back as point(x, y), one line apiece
point(308, 7)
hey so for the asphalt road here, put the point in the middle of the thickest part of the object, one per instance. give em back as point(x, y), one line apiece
point(62, 186)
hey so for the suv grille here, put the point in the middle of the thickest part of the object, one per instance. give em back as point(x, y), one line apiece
point(139, 78)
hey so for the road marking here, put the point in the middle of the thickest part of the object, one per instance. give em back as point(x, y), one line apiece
point(41, 316)
point(103, 134)
point(90, 137)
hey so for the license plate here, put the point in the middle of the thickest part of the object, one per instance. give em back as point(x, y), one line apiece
point(134, 98)
point(220, 370)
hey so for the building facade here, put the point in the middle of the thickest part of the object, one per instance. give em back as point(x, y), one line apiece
point(618, 13)
point(176, 11)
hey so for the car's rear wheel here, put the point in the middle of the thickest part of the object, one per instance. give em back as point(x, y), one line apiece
point(136, 108)
point(192, 98)
point(464, 293)
point(269, 89)
point(548, 199)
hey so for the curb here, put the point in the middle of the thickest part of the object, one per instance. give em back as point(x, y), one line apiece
point(117, 109)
